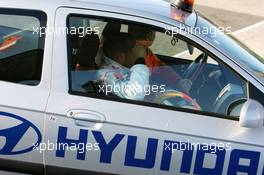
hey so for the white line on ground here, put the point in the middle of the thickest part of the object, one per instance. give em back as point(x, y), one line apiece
point(248, 28)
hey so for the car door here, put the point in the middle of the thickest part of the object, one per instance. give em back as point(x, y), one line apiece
point(92, 133)
point(24, 93)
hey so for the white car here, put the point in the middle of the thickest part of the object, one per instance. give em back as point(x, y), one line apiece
point(202, 110)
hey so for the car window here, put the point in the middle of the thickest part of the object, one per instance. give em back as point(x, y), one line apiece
point(139, 64)
point(21, 46)
point(234, 48)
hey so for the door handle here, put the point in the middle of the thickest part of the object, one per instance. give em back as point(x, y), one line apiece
point(86, 115)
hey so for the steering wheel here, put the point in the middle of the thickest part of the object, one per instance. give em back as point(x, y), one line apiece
point(194, 70)
point(177, 99)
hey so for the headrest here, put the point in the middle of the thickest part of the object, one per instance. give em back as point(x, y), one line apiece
point(88, 50)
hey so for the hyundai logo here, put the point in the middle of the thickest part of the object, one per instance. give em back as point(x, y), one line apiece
point(13, 135)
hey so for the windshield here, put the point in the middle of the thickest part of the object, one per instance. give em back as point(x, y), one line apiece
point(234, 48)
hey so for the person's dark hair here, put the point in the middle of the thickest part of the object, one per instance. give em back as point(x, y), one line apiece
point(141, 33)
point(111, 28)
point(121, 43)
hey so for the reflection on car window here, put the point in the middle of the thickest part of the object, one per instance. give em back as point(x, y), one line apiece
point(140, 64)
point(234, 48)
point(21, 49)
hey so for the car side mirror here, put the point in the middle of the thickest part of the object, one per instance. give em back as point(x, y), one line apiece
point(252, 115)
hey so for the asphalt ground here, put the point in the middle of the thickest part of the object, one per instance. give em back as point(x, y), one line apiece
point(246, 19)
point(227, 18)
point(250, 7)
point(10, 173)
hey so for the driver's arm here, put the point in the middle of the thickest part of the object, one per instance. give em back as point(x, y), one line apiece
point(133, 86)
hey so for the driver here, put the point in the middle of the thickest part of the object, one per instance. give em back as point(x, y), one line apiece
point(159, 70)
point(122, 81)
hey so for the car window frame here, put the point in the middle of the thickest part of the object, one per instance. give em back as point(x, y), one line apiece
point(143, 103)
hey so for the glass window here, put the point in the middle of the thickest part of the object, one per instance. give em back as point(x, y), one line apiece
point(21, 46)
point(234, 48)
point(140, 64)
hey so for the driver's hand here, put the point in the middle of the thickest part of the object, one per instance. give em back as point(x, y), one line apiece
point(185, 85)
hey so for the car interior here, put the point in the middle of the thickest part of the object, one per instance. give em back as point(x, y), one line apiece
point(215, 87)
point(22, 61)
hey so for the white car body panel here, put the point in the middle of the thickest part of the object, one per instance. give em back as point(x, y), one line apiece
point(47, 106)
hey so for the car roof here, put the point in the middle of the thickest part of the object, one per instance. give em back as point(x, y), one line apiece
point(154, 6)
point(160, 10)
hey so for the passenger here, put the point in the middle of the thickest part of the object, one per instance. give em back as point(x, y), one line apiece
point(124, 82)
point(144, 39)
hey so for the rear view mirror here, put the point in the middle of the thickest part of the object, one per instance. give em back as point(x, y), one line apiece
point(252, 115)
point(190, 49)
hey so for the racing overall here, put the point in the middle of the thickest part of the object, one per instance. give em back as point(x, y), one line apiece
point(123, 82)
